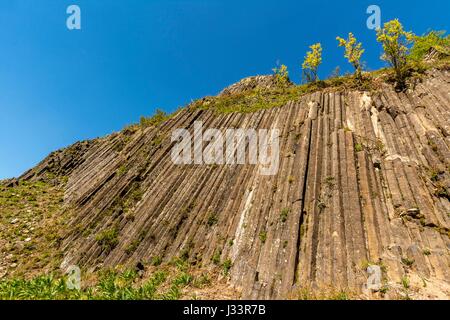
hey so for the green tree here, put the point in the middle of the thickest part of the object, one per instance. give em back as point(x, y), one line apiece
point(353, 52)
point(281, 75)
point(311, 63)
point(396, 43)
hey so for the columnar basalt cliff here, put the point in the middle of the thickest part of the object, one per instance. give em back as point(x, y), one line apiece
point(364, 178)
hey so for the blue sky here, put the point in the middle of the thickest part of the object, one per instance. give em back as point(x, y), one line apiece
point(133, 56)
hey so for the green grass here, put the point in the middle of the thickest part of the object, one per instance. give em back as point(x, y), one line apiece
point(263, 98)
point(212, 219)
point(201, 281)
point(407, 261)
point(263, 236)
point(182, 280)
point(432, 39)
point(121, 171)
point(284, 214)
point(155, 120)
point(216, 257)
point(108, 239)
point(158, 118)
point(332, 294)
point(132, 247)
point(359, 147)
point(31, 222)
point(110, 286)
point(226, 266)
point(251, 101)
point(266, 98)
point(164, 283)
point(405, 282)
point(156, 261)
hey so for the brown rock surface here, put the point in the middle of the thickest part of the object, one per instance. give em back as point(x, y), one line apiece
point(365, 177)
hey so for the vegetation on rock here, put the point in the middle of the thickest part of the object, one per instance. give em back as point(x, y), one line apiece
point(396, 43)
point(437, 40)
point(312, 61)
point(353, 52)
point(126, 201)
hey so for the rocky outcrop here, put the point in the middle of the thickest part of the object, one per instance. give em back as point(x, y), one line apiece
point(363, 179)
point(435, 54)
point(250, 83)
point(59, 163)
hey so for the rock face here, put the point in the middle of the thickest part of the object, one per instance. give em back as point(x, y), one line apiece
point(364, 178)
point(262, 82)
point(434, 54)
point(59, 163)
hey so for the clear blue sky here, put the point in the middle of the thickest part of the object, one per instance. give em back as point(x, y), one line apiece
point(133, 56)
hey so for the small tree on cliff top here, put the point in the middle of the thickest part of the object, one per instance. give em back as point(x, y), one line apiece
point(353, 52)
point(396, 42)
point(311, 63)
point(281, 75)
